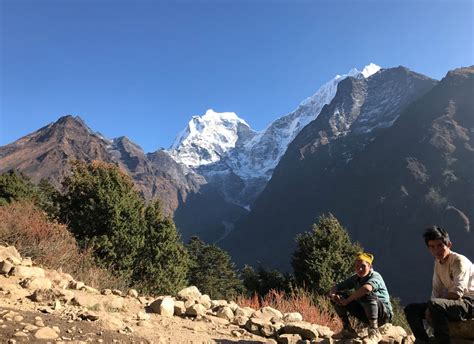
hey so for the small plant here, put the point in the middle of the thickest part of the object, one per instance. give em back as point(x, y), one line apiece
point(315, 310)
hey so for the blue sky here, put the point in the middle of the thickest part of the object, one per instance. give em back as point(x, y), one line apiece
point(142, 68)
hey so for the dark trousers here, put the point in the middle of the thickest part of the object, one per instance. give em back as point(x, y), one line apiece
point(441, 311)
point(368, 307)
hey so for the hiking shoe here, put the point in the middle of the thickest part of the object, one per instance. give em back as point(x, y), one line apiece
point(374, 336)
point(346, 333)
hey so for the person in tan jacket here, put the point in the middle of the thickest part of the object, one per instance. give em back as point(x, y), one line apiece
point(452, 297)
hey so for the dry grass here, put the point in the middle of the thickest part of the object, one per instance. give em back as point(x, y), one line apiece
point(319, 312)
point(51, 244)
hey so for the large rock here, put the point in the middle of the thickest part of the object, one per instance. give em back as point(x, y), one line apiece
point(196, 310)
point(262, 327)
point(27, 271)
point(190, 293)
point(244, 312)
point(5, 267)
point(462, 329)
point(289, 339)
point(225, 313)
point(268, 313)
point(9, 252)
point(46, 333)
point(167, 307)
point(302, 328)
point(179, 308)
point(36, 283)
point(292, 317)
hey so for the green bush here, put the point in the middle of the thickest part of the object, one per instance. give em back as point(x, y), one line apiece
point(323, 256)
point(212, 270)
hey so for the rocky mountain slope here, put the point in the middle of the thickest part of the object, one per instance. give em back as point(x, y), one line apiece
point(389, 156)
point(47, 152)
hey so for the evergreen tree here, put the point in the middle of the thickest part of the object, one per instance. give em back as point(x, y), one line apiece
point(263, 280)
point(163, 263)
point(323, 256)
point(212, 270)
point(15, 186)
point(104, 211)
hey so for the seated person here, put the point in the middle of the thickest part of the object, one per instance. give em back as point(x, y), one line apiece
point(452, 296)
point(369, 302)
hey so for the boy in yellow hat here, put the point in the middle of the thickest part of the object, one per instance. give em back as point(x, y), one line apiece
point(364, 296)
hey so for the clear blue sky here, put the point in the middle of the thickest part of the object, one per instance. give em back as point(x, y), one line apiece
point(142, 68)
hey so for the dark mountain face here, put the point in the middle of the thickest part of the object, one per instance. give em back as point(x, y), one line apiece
point(385, 182)
point(47, 152)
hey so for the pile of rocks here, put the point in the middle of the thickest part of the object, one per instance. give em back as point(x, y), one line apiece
point(287, 328)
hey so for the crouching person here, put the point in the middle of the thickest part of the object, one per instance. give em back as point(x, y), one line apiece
point(369, 300)
point(452, 296)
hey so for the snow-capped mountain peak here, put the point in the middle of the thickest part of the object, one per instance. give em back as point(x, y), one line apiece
point(207, 138)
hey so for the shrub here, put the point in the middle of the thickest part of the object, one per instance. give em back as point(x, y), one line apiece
point(48, 243)
point(323, 256)
point(212, 270)
point(315, 310)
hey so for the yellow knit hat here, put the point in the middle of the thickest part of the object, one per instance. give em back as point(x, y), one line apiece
point(366, 257)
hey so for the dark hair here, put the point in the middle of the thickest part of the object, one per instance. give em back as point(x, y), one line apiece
point(436, 233)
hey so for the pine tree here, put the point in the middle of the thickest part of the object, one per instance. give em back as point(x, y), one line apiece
point(163, 263)
point(104, 211)
point(323, 256)
point(212, 270)
point(15, 186)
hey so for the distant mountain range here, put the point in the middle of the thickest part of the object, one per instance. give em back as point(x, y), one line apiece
point(388, 151)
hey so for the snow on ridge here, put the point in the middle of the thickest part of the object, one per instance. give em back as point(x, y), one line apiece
point(207, 138)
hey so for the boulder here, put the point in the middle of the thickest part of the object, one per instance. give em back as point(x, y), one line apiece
point(240, 320)
point(27, 271)
point(115, 303)
point(245, 312)
point(218, 303)
point(262, 327)
point(205, 300)
point(132, 293)
point(190, 293)
point(292, 317)
point(46, 333)
point(27, 261)
point(268, 313)
point(462, 329)
point(164, 305)
point(5, 267)
point(90, 290)
point(225, 313)
point(179, 308)
point(196, 310)
point(302, 328)
point(9, 252)
point(36, 283)
point(289, 338)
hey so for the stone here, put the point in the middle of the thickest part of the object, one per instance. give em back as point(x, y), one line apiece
point(302, 328)
point(27, 261)
point(462, 329)
point(117, 292)
point(143, 316)
point(46, 333)
point(267, 313)
point(20, 334)
point(292, 317)
point(5, 267)
point(115, 304)
point(196, 310)
point(30, 328)
point(289, 338)
point(240, 320)
point(27, 271)
point(132, 293)
point(205, 300)
point(233, 306)
point(106, 291)
point(36, 283)
point(261, 327)
point(167, 307)
point(179, 308)
point(225, 313)
point(218, 303)
point(244, 312)
point(18, 318)
point(88, 315)
point(9, 251)
point(189, 293)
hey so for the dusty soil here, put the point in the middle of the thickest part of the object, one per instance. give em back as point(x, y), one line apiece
point(119, 325)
